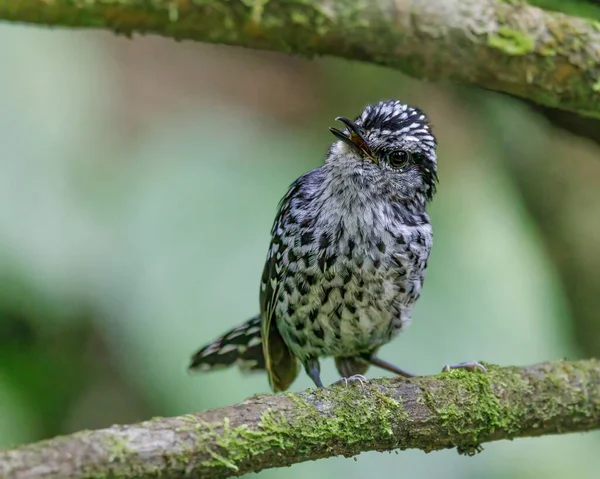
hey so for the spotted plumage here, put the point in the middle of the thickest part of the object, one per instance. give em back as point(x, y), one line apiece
point(348, 255)
point(240, 347)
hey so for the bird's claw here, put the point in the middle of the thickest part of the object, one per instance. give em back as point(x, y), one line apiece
point(357, 377)
point(468, 365)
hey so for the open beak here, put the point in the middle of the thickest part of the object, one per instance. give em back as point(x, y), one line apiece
point(355, 139)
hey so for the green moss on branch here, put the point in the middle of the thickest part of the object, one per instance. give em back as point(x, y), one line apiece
point(456, 409)
point(547, 57)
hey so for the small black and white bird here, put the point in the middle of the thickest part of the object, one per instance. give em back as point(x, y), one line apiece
point(348, 255)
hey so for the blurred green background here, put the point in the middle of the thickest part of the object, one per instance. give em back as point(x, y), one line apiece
point(138, 183)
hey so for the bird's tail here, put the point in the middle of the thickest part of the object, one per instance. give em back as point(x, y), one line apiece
point(241, 347)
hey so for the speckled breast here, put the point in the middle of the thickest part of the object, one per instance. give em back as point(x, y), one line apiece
point(350, 298)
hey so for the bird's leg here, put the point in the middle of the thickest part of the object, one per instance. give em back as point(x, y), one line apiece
point(313, 369)
point(468, 365)
point(376, 361)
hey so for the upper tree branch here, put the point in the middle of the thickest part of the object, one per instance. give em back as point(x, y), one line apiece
point(547, 57)
point(457, 409)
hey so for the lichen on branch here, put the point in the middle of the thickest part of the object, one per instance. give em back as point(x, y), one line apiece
point(543, 56)
point(458, 409)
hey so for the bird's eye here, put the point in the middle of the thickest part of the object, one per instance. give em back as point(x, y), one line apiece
point(399, 158)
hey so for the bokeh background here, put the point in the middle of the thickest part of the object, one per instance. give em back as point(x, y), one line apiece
point(138, 182)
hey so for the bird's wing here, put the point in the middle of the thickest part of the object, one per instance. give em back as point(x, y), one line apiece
point(280, 363)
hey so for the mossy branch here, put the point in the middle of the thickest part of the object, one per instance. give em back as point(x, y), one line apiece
point(547, 57)
point(451, 410)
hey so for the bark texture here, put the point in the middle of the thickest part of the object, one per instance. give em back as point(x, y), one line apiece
point(451, 410)
point(544, 56)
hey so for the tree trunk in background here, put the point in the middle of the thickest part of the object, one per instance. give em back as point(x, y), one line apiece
point(558, 177)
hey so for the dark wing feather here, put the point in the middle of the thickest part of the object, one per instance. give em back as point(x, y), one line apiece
point(280, 363)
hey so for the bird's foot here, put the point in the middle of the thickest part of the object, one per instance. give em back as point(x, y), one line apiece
point(357, 377)
point(468, 365)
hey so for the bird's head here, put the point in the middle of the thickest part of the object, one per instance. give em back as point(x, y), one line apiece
point(391, 143)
